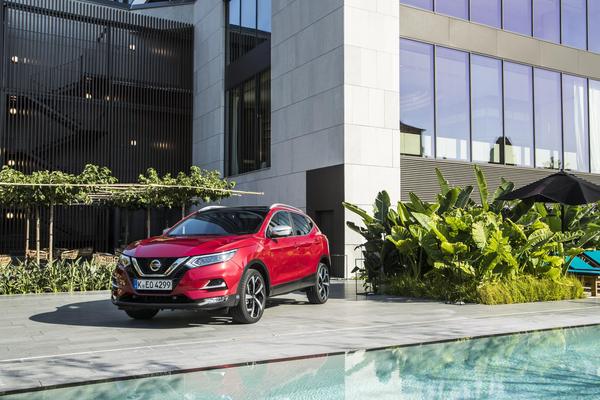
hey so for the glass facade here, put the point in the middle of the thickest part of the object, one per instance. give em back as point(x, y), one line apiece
point(249, 125)
point(452, 104)
point(516, 16)
point(486, 108)
point(546, 20)
point(487, 12)
point(574, 23)
point(249, 25)
point(460, 106)
point(548, 119)
point(518, 114)
point(416, 103)
point(453, 8)
point(575, 117)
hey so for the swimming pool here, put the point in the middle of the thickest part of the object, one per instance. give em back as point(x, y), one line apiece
point(561, 364)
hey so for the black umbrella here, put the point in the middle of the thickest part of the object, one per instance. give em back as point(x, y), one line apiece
point(561, 187)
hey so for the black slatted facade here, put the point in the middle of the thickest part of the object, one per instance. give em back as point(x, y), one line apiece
point(83, 83)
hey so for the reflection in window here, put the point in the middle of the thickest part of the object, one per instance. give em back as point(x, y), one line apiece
point(546, 20)
point(486, 12)
point(548, 121)
point(486, 109)
point(452, 104)
point(575, 117)
point(573, 23)
point(453, 8)
point(518, 114)
point(426, 4)
point(249, 25)
point(302, 225)
point(416, 98)
point(517, 16)
point(595, 125)
point(594, 26)
point(249, 127)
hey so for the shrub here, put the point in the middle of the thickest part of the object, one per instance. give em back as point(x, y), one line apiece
point(59, 276)
point(525, 289)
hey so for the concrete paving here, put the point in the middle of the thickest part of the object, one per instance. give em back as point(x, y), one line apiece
point(64, 338)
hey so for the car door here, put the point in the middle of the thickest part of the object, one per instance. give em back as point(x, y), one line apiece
point(281, 256)
point(306, 245)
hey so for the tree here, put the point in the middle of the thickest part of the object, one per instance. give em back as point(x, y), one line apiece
point(16, 195)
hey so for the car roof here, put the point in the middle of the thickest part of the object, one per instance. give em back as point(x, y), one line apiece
point(253, 208)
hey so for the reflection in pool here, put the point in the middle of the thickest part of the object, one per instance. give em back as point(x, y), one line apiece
point(560, 364)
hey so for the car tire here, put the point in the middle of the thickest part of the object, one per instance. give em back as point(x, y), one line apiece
point(146, 313)
point(253, 298)
point(319, 293)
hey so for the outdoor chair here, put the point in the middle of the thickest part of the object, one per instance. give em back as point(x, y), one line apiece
point(104, 259)
point(85, 252)
point(587, 269)
point(5, 260)
point(32, 255)
point(70, 255)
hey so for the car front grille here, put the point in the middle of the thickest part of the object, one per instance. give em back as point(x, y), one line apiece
point(144, 265)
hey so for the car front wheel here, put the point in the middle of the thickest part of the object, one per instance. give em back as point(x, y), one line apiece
point(319, 293)
point(253, 297)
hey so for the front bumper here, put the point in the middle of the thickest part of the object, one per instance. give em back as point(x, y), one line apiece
point(147, 302)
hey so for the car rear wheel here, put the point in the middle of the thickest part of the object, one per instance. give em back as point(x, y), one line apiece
point(253, 297)
point(319, 293)
point(142, 313)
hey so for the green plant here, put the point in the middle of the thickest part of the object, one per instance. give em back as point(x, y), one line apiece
point(59, 276)
point(462, 245)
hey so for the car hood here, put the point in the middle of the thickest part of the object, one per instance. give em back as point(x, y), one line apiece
point(178, 246)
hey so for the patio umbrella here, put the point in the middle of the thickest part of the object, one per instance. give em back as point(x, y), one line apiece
point(562, 187)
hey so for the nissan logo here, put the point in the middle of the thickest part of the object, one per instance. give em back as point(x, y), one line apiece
point(155, 265)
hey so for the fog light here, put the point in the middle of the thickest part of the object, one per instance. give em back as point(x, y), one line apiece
point(214, 300)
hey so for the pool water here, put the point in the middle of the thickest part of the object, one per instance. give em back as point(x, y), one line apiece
point(557, 364)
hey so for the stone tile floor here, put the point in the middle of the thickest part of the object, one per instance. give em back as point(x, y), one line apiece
point(64, 338)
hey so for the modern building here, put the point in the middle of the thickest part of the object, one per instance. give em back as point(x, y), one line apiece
point(315, 102)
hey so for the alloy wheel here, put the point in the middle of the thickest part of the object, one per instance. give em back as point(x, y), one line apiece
point(323, 282)
point(255, 296)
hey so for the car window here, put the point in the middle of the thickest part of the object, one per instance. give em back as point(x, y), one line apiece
point(220, 222)
point(302, 225)
point(280, 218)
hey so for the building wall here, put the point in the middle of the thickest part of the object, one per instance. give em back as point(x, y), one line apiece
point(209, 84)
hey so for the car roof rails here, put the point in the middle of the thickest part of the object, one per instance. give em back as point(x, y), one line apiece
point(286, 206)
point(210, 208)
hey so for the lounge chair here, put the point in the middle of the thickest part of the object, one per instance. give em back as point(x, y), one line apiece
point(586, 267)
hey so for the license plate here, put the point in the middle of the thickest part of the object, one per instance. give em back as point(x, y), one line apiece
point(152, 284)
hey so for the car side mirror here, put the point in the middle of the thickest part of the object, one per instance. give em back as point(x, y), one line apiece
point(280, 231)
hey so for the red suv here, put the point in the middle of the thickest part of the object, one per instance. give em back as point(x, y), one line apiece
point(224, 258)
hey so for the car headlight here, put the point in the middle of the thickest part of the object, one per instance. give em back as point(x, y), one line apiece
point(200, 261)
point(124, 261)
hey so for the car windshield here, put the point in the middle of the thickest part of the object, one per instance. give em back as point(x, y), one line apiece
point(220, 223)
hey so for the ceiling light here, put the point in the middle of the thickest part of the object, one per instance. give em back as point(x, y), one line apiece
point(12, 111)
point(14, 59)
point(11, 163)
point(132, 47)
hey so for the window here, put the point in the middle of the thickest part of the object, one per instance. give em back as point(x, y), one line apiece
point(593, 25)
point(416, 98)
point(486, 12)
point(548, 121)
point(264, 15)
point(426, 4)
point(546, 20)
point(518, 114)
point(486, 109)
point(453, 8)
point(517, 16)
point(452, 104)
point(220, 223)
point(249, 24)
point(249, 125)
point(575, 117)
point(573, 22)
point(281, 218)
point(595, 125)
point(302, 225)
